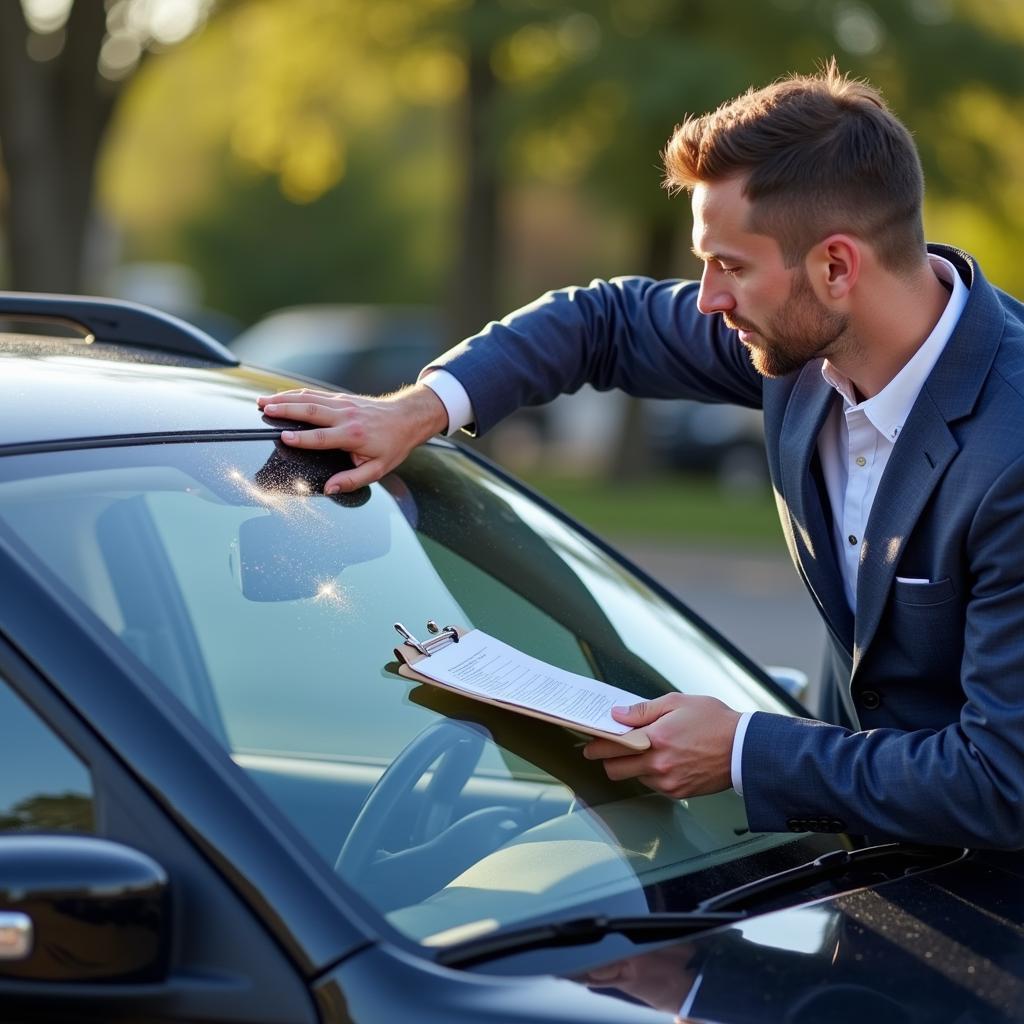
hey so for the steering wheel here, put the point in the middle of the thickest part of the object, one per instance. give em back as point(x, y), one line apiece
point(459, 746)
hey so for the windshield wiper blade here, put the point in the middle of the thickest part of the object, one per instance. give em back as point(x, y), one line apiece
point(580, 931)
point(888, 859)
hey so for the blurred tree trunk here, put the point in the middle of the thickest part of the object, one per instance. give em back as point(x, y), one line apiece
point(473, 289)
point(472, 293)
point(631, 459)
point(53, 114)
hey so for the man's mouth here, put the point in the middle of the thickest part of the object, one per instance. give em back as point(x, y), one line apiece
point(747, 332)
point(740, 325)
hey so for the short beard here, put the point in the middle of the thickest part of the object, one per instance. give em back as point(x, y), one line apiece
point(802, 330)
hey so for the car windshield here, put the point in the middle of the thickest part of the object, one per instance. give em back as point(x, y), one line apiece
point(267, 609)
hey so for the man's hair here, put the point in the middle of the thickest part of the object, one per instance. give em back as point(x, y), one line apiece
point(820, 154)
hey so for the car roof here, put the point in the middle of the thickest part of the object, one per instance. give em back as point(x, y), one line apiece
point(60, 389)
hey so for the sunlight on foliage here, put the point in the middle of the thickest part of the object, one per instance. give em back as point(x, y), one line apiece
point(313, 162)
point(287, 85)
point(585, 95)
point(431, 75)
point(564, 150)
point(133, 26)
point(539, 50)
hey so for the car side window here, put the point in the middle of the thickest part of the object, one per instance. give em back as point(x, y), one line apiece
point(43, 785)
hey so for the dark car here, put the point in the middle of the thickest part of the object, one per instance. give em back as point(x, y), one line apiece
point(369, 349)
point(723, 441)
point(219, 801)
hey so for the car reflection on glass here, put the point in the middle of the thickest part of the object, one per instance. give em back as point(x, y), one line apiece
point(221, 801)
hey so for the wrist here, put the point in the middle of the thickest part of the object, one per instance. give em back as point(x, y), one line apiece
point(427, 413)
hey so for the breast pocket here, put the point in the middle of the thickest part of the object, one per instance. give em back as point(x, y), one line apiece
point(923, 594)
point(923, 631)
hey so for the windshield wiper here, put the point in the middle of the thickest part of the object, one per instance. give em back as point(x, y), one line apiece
point(872, 863)
point(863, 866)
point(580, 931)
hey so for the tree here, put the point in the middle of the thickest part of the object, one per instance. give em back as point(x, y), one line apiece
point(62, 71)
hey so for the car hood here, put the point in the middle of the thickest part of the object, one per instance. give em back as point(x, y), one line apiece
point(946, 944)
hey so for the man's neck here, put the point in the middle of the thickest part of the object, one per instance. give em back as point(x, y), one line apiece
point(897, 316)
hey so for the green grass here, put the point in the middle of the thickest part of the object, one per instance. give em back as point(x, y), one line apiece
point(687, 510)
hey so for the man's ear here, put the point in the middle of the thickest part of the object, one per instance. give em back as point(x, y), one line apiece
point(834, 265)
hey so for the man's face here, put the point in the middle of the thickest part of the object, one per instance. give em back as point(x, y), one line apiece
point(780, 320)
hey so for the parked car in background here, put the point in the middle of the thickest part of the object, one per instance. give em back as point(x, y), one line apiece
point(724, 441)
point(366, 349)
point(219, 800)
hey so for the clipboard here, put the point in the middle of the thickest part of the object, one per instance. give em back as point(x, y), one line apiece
point(412, 651)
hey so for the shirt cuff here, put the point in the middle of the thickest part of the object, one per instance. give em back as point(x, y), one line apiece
point(453, 397)
point(736, 765)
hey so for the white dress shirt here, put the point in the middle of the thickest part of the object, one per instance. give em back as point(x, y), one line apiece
point(854, 445)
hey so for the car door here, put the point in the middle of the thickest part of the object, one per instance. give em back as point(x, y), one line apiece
point(107, 910)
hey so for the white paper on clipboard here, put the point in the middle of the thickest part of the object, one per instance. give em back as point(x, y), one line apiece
point(482, 665)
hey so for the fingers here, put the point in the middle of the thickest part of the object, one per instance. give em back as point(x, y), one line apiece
point(366, 473)
point(294, 393)
point(600, 749)
point(647, 711)
point(635, 767)
point(304, 412)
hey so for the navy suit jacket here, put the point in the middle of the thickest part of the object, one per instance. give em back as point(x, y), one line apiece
point(926, 739)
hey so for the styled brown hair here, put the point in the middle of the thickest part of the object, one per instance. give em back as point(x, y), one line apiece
point(821, 154)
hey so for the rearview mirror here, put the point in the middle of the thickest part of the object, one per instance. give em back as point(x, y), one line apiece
point(296, 554)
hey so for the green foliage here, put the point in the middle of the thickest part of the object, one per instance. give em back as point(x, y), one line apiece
point(681, 509)
point(360, 241)
point(47, 812)
point(656, 62)
point(324, 98)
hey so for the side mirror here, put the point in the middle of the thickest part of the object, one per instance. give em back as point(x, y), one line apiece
point(78, 908)
point(792, 680)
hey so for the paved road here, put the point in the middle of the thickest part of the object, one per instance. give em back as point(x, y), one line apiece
point(757, 600)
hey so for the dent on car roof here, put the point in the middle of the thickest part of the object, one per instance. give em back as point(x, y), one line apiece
point(60, 389)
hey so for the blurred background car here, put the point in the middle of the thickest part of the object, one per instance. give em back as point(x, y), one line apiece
point(725, 441)
point(372, 349)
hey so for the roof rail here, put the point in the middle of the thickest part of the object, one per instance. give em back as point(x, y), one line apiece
point(117, 323)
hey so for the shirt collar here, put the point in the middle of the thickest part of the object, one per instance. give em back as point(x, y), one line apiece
point(889, 409)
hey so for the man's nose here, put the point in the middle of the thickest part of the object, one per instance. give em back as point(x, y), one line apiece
point(714, 296)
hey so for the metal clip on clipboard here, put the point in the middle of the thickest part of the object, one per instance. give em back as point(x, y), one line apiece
point(441, 638)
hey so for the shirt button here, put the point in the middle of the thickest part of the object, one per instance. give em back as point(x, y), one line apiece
point(852, 539)
point(861, 461)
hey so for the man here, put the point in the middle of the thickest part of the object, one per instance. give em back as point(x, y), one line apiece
point(890, 376)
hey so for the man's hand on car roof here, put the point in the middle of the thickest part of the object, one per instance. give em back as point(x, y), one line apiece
point(378, 432)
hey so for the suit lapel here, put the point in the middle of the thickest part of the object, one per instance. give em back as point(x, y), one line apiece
point(922, 453)
point(808, 520)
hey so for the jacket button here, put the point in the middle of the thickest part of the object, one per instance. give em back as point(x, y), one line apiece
point(837, 825)
point(870, 699)
point(796, 825)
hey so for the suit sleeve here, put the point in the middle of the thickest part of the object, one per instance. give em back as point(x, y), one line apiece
point(645, 337)
point(961, 785)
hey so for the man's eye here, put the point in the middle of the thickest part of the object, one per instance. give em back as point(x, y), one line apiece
point(730, 270)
